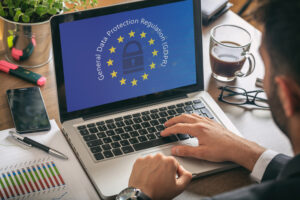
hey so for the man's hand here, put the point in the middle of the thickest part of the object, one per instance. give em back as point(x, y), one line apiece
point(216, 143)
point(156, 177)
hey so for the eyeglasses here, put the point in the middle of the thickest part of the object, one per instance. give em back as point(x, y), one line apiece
point(239, 96)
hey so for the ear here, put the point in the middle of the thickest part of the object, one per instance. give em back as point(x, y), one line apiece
point(289, 93)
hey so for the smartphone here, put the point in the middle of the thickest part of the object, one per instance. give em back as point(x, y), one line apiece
point(28, 110)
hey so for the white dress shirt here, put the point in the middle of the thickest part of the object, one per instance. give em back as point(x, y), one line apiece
point(262, 164)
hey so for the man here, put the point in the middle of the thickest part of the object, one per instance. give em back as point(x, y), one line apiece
point(155, 176)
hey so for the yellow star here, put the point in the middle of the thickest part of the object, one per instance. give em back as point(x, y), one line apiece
point(134, 82)
point(112, 50)
point(123, 81)
point(151, 42)
point(113, 74)
point(110, 62)
point(145, 76)
point(143, 34)
point(154, 52)
point(131, 34)
point(152, 66)
point(120, 39)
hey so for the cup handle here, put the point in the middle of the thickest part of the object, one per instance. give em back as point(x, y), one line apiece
point(252, 63)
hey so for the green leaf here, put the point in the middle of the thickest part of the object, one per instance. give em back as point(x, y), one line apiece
point(52, 11)
point(25, 18)
point(2, 12)
point(18, 15)
point(41, 10)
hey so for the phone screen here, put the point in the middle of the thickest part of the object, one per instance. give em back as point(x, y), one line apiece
point(28, 110)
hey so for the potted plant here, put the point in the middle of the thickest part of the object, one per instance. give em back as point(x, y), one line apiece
point(26, 34)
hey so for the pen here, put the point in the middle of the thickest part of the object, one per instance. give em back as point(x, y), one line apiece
point(29, 142)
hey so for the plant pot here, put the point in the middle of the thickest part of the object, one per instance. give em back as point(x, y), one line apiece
point(27, 44)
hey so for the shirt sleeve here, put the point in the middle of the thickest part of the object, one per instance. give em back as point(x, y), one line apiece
point(262, 164)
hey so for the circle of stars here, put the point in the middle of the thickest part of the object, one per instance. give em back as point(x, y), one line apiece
point(112, 50)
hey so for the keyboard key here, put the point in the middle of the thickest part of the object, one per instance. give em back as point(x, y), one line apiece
point(115, 145)
point(197, 101)
point(146, 118)
point(136, 126)
point(188, 103)
point(117, 152)
point(128, 128)
point(125, 136)
point(120, 124)
point(127, 117)
point(170, 117)
point(119, 130)
point(107, 140)
point(171, 107)
point(134, 133)
point(183, 136)
point(137, 120)
point(151, 130)
point(90, 137)
point(118, 119)
point(160, 127)
point(124, 143)
point(179, 105)
point(96, 150)
point(158, 134)
point(154, 143)
point(116, 138)
point(102, 128)
point(162, 120)
point(133, 141)
point(108, 154)
point(142, 138)
point(171, 112)
point(94, 143)
point(198, 106)
point(100, 123)
point(98, 156)
point(188, 108)
point(154, 116)
point(128, 122)
point(81, 127)
point(207, 112)
point(91, 125)
point(127, 149)
point(110, 133)
point(146, 125)
point(93, 130)
point(145, 113)
point(154, 111)
point(136, 115)
point(154, 122)
point(143, 132)
point(162, 109)
point(84, 132)
point(106, 147)
point(111, 126)
point(109, 121)
point(151, 136)
point(179, 110)
point(163, 114)
point(101, 135)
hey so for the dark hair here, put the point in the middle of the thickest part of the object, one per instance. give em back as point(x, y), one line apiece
point(281, 21)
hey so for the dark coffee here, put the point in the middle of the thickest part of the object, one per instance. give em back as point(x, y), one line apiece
point(226, 61)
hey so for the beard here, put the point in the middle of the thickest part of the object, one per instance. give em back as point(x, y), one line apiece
point(277, 109)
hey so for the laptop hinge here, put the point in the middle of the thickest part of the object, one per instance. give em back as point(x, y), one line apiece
point(141, 105)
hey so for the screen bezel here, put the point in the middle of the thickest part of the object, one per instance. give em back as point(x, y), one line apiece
point(116, 106)
point(35, 90)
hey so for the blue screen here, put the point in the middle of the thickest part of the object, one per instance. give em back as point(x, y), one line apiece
point(128, 54)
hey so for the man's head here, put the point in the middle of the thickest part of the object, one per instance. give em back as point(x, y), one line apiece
point(280, 51)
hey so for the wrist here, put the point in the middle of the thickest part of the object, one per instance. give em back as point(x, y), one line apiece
point(132, 193)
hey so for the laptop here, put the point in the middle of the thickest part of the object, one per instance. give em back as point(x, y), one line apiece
point(121, 72)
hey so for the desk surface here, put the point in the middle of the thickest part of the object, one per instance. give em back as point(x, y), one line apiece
point(254, 125)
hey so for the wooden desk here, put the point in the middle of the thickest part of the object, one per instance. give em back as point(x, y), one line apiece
point(254, 125)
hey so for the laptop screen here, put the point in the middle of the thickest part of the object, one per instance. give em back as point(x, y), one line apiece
point(128, 54)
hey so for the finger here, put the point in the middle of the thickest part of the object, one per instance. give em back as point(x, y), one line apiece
point(178, 128)
point(187, 151)
point(184, 178)
point(184, 118)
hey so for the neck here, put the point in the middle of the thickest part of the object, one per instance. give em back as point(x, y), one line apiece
point(294, 131)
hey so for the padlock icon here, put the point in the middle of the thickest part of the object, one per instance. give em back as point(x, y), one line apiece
point(133, 58)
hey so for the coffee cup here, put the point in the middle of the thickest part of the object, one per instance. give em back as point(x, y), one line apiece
point(228, 51)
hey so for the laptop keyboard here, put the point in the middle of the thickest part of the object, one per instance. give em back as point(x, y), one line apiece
point(129, 133)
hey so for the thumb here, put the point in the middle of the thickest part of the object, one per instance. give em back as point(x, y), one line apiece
point(186, 151)
point(184, 178)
